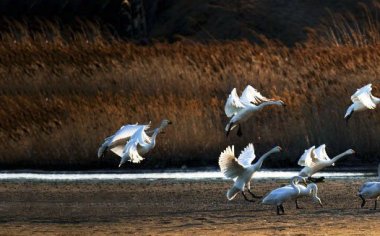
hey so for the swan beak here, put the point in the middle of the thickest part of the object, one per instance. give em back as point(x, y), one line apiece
point(283, 104)
point(170, 122)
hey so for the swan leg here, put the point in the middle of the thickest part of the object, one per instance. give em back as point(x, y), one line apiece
point(282, 209)
point(363, 201)
point(316, 180)
point(229, 128)
point(254, 195)
point(297, 207)
point(239, 133)
point(245, 197)
point(278, 210)
point(375, 204)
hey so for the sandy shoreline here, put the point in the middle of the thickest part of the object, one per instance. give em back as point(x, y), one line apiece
point(176, 207)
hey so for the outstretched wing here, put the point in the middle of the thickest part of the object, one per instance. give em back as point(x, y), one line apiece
point(233, 104)
point(126, 131)
point(229, 165)
point(247, 155)
point(307, 158)
point(364, 96)
point(251, 95)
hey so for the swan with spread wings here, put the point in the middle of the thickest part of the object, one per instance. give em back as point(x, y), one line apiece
point(362, 100)
point(240, 109)
point(241, 169)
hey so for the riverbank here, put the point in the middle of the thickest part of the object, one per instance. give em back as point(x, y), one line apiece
point(176, 207)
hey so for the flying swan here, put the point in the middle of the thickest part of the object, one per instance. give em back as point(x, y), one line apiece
point(132, 141)
point(241, 109)
point(290, 192)
point(240, 169)
point(370, 190)
point(314, 160)
point(362, 99)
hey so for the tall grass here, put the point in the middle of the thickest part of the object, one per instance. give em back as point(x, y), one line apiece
point(61, 97)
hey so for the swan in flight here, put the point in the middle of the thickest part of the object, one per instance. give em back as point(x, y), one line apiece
point(362, 99)
point(314, 160)
point(241, 109)
point(290, 192)
point(370, 190)
point(132, 141)
point(240, 169)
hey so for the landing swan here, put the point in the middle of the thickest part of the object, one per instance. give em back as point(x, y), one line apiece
point(140, 143)
point(240, 169)
point(314, 160)
point(290, 192)
point(116, 142)
point(241, 109)
point(127, 140)
point(370, 190)
point(362, 99)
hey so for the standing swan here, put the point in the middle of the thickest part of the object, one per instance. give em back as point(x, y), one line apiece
point(370, 190)
point(241, 109)
point(290, 192)
point(314, 160)
point(362, 99)
point(240, 169)
point(140, 143)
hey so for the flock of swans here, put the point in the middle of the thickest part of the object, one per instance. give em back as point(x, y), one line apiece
point(130, 142)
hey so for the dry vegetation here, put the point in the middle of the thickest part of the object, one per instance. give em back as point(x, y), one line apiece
point(61, 97)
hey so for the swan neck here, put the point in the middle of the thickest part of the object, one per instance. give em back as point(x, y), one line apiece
point(336, 158)
point(259, 163)
point(267, 103)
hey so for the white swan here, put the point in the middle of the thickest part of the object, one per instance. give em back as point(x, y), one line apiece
point(240, 169)
point(314, 160)
point(140, 143)
point(362, 99)
point(116, 142)
point(241, 109)
point(290, 192)
point(370, 190)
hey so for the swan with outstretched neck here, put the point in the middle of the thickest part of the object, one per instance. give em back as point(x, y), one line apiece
point(315, 160)
point(241, 170)
point(362, 100)
point(140, 143)
point(241, 109)
point(293, 191)
point(370, 190)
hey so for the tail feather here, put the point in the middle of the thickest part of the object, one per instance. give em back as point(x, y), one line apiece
point(232, 192)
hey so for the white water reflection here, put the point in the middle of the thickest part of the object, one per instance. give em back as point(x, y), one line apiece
point(197, 175)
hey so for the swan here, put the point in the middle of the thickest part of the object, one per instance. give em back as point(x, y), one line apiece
point(362, 99)
point(291, 192)
point(140, 143)
point(240, 169)
point(370, 190)
point(116, 141)
point(241, 109)
point(314, 160)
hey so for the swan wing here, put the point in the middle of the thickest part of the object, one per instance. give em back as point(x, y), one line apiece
point(321, 154)
point(229, 165)
point(233, 104)
point(251, 95)
point(247, 155)
point(364, 96)
point(126, 131)
point(118, 150)
point(307, 157)
point(141, 137)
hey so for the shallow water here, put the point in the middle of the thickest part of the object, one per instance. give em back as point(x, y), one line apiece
point(188, 175)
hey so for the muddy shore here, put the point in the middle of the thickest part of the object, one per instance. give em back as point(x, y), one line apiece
point(177, 207)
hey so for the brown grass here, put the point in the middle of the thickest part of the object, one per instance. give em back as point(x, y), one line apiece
point(60, 98)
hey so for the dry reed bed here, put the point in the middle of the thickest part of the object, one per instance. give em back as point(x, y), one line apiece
point(59, 100)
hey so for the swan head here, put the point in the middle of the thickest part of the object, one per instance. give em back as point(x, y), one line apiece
point(350, 151)
point(282, 103)
point(277, 149)
point(317, 200)
point(298, 179)
point(165, 122)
